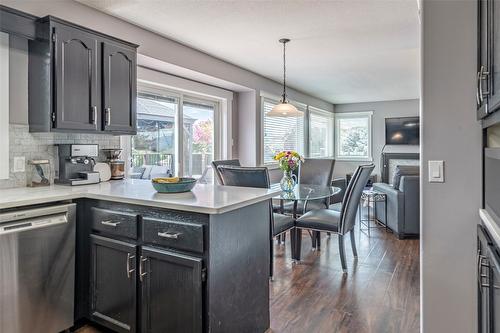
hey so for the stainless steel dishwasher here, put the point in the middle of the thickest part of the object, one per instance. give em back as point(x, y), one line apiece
point(37, 269)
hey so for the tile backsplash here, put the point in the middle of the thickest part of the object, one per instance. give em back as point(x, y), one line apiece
point(42, 146)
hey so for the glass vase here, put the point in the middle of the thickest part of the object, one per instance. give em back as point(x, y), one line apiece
point(288, 181)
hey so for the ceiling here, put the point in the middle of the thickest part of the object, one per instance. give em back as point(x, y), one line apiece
point(341, 51)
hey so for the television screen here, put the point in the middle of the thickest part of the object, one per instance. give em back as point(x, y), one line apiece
point(402, 131)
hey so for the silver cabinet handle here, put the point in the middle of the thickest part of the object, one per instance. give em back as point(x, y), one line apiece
point(94, 115)
point(170, 235)
point(142, 270)
point(108, 116)
point(130, 270)
point(110, 223)
point(481, 76)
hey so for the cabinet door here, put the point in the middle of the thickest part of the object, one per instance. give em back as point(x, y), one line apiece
point(483, 58)
point(494, 19)
point(75, 80)
point(120, 89)
point(171, 292)
point(113, 284)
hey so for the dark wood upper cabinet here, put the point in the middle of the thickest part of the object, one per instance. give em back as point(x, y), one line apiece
point(80, 80)
point(171, 292)
point(488, 58)
point(76, 79)
point(119, 88)
point(113, 297)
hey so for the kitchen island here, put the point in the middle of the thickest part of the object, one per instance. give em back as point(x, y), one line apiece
point(150, 262)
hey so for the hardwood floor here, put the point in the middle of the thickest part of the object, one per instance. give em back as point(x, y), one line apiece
point(379, 294)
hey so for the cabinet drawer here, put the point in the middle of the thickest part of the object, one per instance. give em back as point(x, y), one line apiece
point(173, 234)
point(114, 223)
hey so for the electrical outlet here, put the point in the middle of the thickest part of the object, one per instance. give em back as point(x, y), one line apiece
point(19, 164)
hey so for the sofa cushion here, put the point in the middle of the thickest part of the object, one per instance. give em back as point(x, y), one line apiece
point(404, 170)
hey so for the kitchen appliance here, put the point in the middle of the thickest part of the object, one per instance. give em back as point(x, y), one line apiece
point(37, 275)
point(116, 165)
point(76, 164)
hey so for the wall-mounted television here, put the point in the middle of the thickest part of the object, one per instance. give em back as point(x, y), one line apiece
point(402, 131)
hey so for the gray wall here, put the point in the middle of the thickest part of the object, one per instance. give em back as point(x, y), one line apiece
point(449, 211)
point(381, 110)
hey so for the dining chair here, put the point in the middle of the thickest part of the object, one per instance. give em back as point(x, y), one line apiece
point(258, 177)
point(337, 222)
point(216, 164)
point(313, 171)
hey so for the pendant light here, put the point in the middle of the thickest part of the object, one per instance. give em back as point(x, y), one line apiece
point(284, 109)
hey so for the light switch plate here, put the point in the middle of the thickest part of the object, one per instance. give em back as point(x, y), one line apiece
point(436, 171)
point(19, 164)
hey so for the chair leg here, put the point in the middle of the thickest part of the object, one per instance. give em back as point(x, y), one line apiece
point(292, 242)
point(328, 234)
point(353, 244)
point(283, 237)
point(298, 243)
point(313, 239)
point(342, 253)
point(271, 259)
point(318, 240)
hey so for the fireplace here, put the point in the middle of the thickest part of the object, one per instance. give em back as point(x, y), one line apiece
point(391, 160)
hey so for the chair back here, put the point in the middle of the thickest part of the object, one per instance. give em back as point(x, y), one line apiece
point(316, 171)
point(244, 176)
point(353, 196)
point(216, 164)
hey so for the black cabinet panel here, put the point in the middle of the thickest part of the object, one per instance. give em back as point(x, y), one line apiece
point(113, 284)
point(488, 64)
point(80, 80)
point(171, 292)
point(76, 79)
point(114, 223)
point(173, 234)
point(119, 88)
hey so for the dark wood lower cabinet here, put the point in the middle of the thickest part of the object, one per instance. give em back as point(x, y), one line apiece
point(113, 293)
point(171, 292)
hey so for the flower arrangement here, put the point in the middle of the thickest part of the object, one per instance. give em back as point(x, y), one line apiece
point(288, 160)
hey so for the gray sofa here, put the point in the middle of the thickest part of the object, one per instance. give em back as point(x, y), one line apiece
point(403, 204)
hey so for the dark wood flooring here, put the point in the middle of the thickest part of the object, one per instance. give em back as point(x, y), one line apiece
point(379, 294)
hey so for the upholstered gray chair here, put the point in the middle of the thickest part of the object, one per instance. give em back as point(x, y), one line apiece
point(216, 164)
point(258, 177)
point(314, 171)
point(339, 222)
point(403, 202)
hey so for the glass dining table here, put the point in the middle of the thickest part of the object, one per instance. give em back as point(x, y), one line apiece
point(304, 193)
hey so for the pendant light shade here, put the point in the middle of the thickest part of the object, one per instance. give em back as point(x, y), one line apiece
point(284, 109)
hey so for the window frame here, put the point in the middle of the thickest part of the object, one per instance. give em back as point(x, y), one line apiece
point(149, 87)
point(300, 106)
point(354, 115)
point(331, 133)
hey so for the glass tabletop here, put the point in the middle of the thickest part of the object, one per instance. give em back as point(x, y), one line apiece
point(307, 192)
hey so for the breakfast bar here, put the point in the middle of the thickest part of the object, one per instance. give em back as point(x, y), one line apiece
point(191, 262)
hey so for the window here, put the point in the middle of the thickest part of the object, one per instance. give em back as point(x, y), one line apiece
point(353, 136)
point(320, 133)
point(281, 133)
point(176, 134)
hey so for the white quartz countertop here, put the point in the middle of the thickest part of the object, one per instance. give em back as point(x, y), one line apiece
point(204, 198)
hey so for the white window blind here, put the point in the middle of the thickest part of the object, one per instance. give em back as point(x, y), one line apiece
point(281, 133)
point(320, 133)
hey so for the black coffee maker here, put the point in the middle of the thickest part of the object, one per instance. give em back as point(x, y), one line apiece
point(76, 164)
